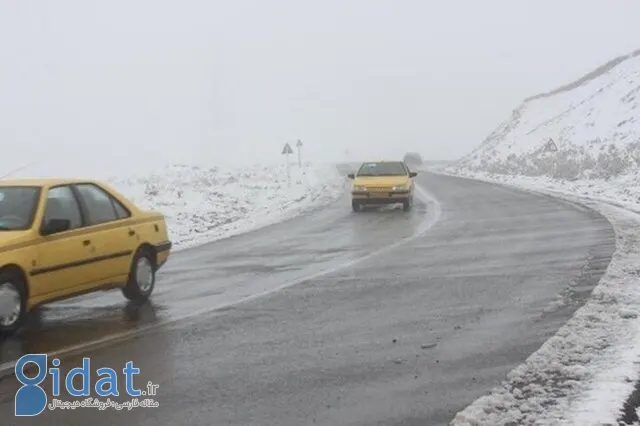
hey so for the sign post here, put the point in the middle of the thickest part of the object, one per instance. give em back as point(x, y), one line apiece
point(286, 151)
point(552, 147)
point(299, 146)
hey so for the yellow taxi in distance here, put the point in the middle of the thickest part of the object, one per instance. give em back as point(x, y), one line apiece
point(60, 238)
point(382, 182)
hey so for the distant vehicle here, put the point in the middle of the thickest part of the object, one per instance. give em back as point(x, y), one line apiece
point(413, 159)
point(382, 182)
point(60, 238)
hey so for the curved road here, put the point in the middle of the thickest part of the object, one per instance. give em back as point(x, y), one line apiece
point(377, 318)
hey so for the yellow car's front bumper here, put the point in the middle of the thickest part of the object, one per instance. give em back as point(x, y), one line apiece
point(379, 197)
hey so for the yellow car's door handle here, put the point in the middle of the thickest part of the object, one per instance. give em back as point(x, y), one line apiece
point(86, 242)
point(132, 232)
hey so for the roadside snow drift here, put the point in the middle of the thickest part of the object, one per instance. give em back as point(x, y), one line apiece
point(580, 142)
point(205, 204)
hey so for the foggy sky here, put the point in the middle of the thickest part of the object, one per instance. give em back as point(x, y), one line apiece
point(127, 82)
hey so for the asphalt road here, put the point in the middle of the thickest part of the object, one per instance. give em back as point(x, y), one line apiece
point(373, 318)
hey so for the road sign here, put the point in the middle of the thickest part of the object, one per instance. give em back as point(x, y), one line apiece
point(299, 146)
point(551, 146)
point(287, 149)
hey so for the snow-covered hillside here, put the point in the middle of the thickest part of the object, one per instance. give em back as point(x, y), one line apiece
point(594, 122)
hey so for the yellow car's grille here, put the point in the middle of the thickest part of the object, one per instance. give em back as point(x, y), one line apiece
point(379, 189)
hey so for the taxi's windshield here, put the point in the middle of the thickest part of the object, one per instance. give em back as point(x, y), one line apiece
point(382, 169)
point(18, 207)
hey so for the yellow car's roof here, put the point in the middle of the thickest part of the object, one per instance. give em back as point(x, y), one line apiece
point(43, 182)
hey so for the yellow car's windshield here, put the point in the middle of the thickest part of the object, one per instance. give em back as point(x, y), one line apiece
point(383, 169)
point(18, 207)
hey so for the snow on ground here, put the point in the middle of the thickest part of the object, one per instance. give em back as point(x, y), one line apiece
point(623, 190)
point(587, 370)
point(206, 204)
point(595, 126)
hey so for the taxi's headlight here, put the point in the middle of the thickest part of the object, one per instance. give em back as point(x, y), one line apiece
point(400, 188)
point(359, 188)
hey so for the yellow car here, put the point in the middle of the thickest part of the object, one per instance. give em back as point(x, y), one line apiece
point(382, 182)
point(60, 238)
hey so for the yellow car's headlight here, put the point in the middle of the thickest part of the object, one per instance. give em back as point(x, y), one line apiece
point(400, 188)
point(359, 188)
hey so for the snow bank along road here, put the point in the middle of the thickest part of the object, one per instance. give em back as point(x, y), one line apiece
point(381, 317)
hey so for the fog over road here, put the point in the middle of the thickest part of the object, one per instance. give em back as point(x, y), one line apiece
point(379, 318)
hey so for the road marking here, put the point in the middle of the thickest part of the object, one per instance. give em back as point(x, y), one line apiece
point(434, 211)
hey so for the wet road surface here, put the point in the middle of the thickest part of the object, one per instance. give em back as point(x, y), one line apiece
point(379, 318)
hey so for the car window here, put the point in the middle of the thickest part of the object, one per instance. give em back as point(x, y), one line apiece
point(121, 211)
point(18, 206)
point(98, 204)
point(382, 169)
point(62, 204)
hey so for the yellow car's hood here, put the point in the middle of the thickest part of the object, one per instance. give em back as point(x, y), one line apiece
point(10, 238)
point(380, 181)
